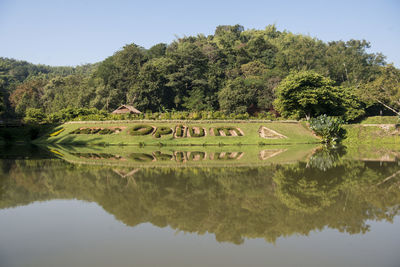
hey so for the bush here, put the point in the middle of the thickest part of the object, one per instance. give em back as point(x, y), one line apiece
point(162, 131)
point(226, 130)
point(141, 129)
point(35, 116)
point(329, 128)
point(194, 134)
point(94, 131)
point(180, 131)
point(105, 131)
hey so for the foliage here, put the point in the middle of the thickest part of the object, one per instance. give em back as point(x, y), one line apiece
point(162, 131)
point(307, 94)
point(141, 129)
point(95, 131)
point(200, 133)
point(326, 158)
point(233, 71)
point(35, 116)
point(384, 89)
point(226, 130)
point(180, 131)
point(329, 128)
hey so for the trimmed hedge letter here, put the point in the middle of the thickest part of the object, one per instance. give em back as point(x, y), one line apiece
point(141, 129)
point(196, 131)
point(162, 131)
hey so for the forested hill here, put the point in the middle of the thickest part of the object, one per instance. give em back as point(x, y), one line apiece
point(233, 70)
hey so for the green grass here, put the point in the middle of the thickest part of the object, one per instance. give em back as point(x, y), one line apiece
point(297, 133)
point(377, 136)
point(381, 120)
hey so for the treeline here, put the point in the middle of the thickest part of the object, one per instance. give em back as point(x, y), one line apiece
point(232, 71)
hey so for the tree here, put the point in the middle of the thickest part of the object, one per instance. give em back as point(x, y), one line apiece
point(237, 96)
point(28, 95)
point(348, 62)
point(307, 94)
point(35, 116)
point(190, 73)
point(150, 91)
point(63, 92)
point(118, 74)
point(383, 90)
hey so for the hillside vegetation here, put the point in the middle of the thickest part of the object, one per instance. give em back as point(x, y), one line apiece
point(232, 71)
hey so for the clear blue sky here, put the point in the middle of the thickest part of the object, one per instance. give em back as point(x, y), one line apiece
point(73, 32)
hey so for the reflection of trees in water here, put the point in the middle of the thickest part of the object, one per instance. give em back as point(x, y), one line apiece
point(325, 158)
point(233, 203)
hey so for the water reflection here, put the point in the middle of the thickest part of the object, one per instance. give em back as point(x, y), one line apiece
point(325, 189)
point(179, 156)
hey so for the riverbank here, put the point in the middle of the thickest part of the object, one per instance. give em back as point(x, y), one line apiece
point(181, 133)
point(373, 131)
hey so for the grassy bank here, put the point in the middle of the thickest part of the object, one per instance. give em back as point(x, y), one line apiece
point(247, 133)
point(379, 135)
point(381, 120)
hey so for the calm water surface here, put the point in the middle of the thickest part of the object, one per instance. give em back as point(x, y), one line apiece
point(294, 206)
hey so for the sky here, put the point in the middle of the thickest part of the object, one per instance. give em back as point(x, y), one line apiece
point(75, 32)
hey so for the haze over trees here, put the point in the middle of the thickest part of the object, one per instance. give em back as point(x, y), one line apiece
point(233, 71)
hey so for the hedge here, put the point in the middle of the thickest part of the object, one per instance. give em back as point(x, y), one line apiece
point(141, 129)
point(194, 134)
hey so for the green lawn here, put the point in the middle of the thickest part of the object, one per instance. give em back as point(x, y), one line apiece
point(378, 136)
point(296, 133)
point(381, 120)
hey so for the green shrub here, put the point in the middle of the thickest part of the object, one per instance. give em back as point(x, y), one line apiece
point(35, 116)
point(226, 131)
point(141, 129)
point(180, 131)
point(194, 134)
point(105, 131)
point(86, 131)
point(162, 131)
point(329, 128)
point(93, 131)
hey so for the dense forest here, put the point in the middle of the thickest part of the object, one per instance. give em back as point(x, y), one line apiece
point(232, 71)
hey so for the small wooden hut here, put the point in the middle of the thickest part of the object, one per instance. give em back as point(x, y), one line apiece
point(126, 109)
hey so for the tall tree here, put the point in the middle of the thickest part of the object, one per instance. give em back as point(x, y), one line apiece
point(307, 94)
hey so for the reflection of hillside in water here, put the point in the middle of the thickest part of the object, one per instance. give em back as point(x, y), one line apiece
point(267, 202)
point(181, 156)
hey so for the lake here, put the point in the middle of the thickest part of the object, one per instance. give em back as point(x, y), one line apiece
point(199, 206)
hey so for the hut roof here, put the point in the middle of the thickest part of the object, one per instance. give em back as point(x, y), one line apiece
point(126, 109)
